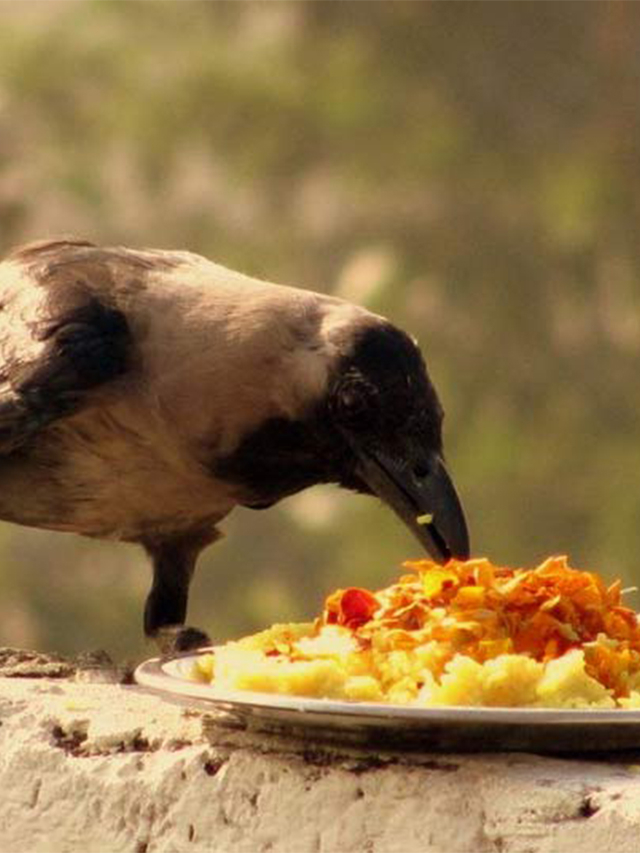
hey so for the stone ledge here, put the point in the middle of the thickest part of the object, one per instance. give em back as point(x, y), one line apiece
point(104, 767)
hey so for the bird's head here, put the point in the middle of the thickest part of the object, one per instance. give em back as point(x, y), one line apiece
point(383, 405)
point(373, 424)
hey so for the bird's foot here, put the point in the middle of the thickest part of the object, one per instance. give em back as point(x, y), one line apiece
point(173, 639)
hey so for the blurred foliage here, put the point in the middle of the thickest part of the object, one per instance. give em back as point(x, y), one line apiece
point(472, 170)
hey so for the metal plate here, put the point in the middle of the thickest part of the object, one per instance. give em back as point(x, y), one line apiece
point(384, 726)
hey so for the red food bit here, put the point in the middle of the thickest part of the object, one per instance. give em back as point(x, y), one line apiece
point(351, 607)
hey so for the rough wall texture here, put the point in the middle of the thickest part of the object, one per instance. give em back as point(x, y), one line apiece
point(101, 767)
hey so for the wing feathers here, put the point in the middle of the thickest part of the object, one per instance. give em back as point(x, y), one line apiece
point(51, 358)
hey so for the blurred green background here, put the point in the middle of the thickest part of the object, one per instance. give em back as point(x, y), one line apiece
point(472, 170)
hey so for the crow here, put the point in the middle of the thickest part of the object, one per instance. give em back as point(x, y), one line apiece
point(144, 394)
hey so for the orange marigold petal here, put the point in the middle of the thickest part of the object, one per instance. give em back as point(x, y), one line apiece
point(434, 581)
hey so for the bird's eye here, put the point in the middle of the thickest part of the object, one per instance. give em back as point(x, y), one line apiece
point(355, 405)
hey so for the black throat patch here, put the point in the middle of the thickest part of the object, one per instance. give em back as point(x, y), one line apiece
point(282, 457)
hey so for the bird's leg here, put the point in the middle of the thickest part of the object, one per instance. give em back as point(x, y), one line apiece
point(174, 561)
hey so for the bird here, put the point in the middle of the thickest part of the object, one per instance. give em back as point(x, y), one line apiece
point(144, 394)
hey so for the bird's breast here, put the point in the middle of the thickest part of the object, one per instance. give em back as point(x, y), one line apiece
point(112, 472)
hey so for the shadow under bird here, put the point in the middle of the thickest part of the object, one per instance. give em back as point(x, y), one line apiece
point(145, 394)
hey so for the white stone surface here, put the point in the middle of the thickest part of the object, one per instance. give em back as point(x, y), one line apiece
point(99, 767)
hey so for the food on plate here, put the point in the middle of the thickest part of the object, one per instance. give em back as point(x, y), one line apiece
point(466, 633)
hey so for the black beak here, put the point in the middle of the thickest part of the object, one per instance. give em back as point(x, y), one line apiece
point(423, 495)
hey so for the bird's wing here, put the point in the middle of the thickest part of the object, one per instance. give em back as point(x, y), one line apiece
point(58, 342)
